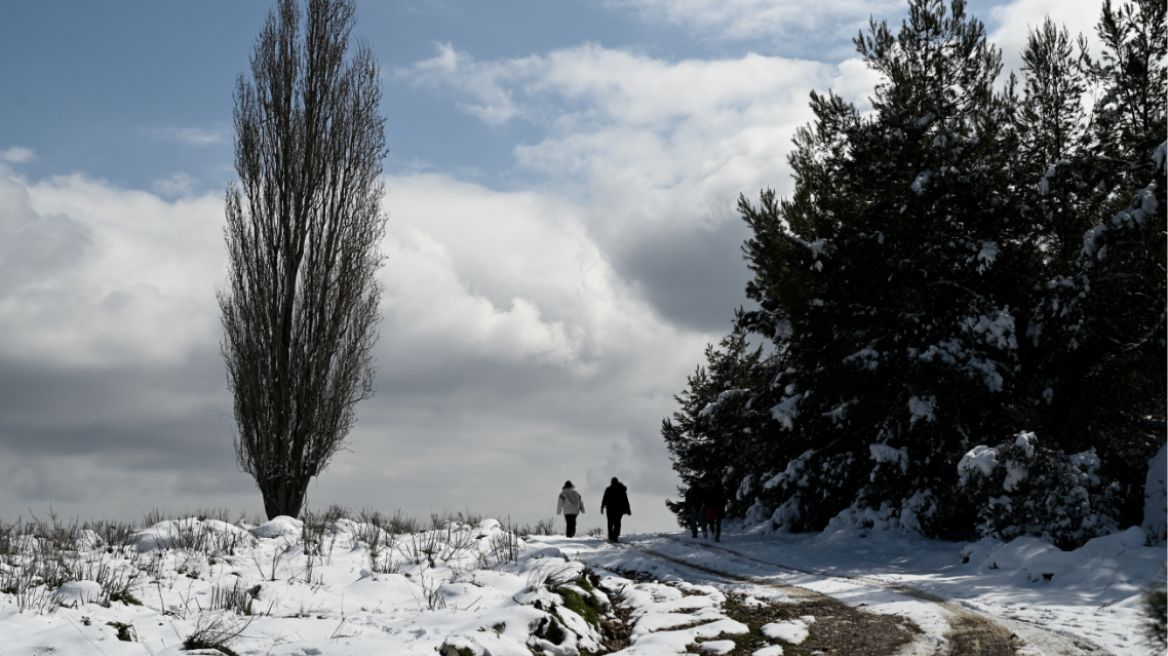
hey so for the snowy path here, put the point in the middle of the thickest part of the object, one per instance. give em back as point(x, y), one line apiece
point(970, 626)
point(971, 621)
point(946, 628)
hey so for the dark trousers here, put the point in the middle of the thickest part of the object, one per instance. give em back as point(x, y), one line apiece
point(697, 517)
point(716, 528)
point(614, 521)
point(571, 519)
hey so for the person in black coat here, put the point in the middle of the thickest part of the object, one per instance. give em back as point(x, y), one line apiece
point(716, 508)
point(616, 500)
point(695, 499)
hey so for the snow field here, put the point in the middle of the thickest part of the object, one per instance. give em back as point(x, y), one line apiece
point(290, 588)
point(286, 588)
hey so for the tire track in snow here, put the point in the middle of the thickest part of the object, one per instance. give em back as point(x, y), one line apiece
point(972, 632)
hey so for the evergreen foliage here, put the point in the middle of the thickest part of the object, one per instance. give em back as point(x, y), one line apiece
point(1033, 490)
point(717, 419)
point(961, 266)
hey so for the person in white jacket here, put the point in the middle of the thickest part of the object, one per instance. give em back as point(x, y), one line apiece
point(570, 505)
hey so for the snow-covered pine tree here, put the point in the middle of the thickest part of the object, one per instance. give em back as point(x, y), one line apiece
point(895, 267)
point(1054, 129)
point(928, 289)
point(1099, 320)
point(714, 435)
point(1045, 480)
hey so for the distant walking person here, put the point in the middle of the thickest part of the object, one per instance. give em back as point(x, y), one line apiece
point(570, 505)
point(616, 499)
point(695, 498)
point(716, 509)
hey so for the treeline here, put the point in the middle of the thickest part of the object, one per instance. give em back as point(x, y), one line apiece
point(961, 307)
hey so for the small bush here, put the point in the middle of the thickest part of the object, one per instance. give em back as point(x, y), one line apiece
point(1030, 489)
point(216, 632)
point(448, 649)
point(125, 631)
point(546, 526)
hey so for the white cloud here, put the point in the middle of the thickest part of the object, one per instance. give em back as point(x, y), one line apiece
point(427, 304)
point(179, 184)
point(134, 275)
point(758, 19)
point(482, 82)
point(33, 246)
point(193, 136)
point(16, 155)
point(511, 277)
point(653, 145)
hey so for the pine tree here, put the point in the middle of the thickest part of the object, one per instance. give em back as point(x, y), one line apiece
point(962, 272)
point(894, 266)
point(711, 437)
point(1100, 324)
point(1053, 130)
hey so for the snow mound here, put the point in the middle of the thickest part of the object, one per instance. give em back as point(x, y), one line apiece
point(189, 533)
point(1038, 561)
point(790, 631)
point(717, 647)
point(279, 527)
point(78, 593)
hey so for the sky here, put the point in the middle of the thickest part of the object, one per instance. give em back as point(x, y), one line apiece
point(562, 241)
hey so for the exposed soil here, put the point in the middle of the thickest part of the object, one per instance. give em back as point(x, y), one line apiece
point(616, 626)
point(977, 636)
point(838, 629)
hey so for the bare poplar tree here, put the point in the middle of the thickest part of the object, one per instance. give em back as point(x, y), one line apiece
point(304, 225)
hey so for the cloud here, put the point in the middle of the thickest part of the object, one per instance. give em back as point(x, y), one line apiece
point(32, 245)
point(786, 25)
point(429, 304)
point(16, 155)
point(111, 388)
point(134, 281)
point(179, 184)
point(193, 136)
point(481, 82)
point(511, 279)
point(654, 152)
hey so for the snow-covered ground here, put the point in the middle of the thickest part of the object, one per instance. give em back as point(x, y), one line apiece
point(1035, 589)
point(351, 588)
